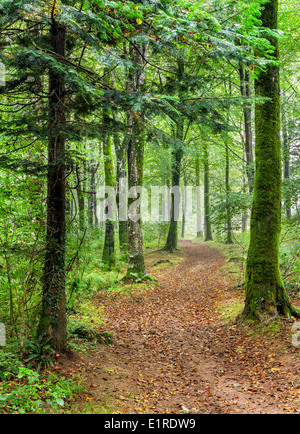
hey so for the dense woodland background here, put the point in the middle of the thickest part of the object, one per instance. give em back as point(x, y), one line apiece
point(157, 92)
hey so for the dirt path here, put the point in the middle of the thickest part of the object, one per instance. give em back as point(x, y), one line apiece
point(174, 354)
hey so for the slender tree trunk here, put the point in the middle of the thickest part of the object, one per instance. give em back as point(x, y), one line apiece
point(184, 207)
point(80, 197)
point(92, 204)
point(53, 316)
point(265, 293)
point(136, 263)
point(286, 163)
point(245, 214)
point(121, 177)
point(172, 238)
point(109, 255)
point(229, 239)
point(198, 199)
point(207, 222)
point(245, 89)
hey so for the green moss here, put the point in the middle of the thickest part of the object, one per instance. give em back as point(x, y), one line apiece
point(265, 293)
point(136, 269)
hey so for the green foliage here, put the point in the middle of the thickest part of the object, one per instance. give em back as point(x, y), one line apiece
point(190, 101)
point(39, 352)
point(9, 365)
point(237, 202)
point(289, 255)
point(34, 394)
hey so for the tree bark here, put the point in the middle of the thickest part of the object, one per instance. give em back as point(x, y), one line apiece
point(177, 153)
point(286, 163)
point(92, 203)
point(121, 177)
point(207, 222)
point(109, 254)
point(229, 239)
point(248, 140)
point(172, 238)
point(53, 316)
point(198, 199)
point(265, 293)
point(80, 197)
point(184, 206)
point(136, 264)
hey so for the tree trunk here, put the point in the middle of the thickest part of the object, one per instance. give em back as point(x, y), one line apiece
point(92, 204)
point(177, 153)
point(121, 177)
point(136, 264)
point(286, 163)
point(198, 199)
point(184, 206)
point(229, 239)
point(109, 255)
point(207, 222)
point(53, 316)
point(245, 187)
point(248, 141)
point(172, 238)
point(265, 292)
point(80, 197)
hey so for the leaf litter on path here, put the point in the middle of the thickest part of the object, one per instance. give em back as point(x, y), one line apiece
point(173, 352)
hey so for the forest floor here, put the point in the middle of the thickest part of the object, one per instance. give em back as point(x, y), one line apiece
point(177, 348)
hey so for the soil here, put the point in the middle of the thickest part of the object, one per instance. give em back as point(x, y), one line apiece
point(175, 351)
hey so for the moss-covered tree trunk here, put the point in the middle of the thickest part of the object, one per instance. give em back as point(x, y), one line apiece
point(53, 315)
point(109, 255)
point(177, 154)
point(172, 238)
point(136, 263)
point(265, 293)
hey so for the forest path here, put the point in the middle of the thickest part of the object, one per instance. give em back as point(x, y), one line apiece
point(173, 352)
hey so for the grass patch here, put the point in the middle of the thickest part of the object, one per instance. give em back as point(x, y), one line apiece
point(270, 328)
point(87, 327)
point(229, 310)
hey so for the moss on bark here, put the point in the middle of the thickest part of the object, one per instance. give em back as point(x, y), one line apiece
point(136, 81)
point(53, 322)
point(265, 293)
point(207, 222)
point(109, 255)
